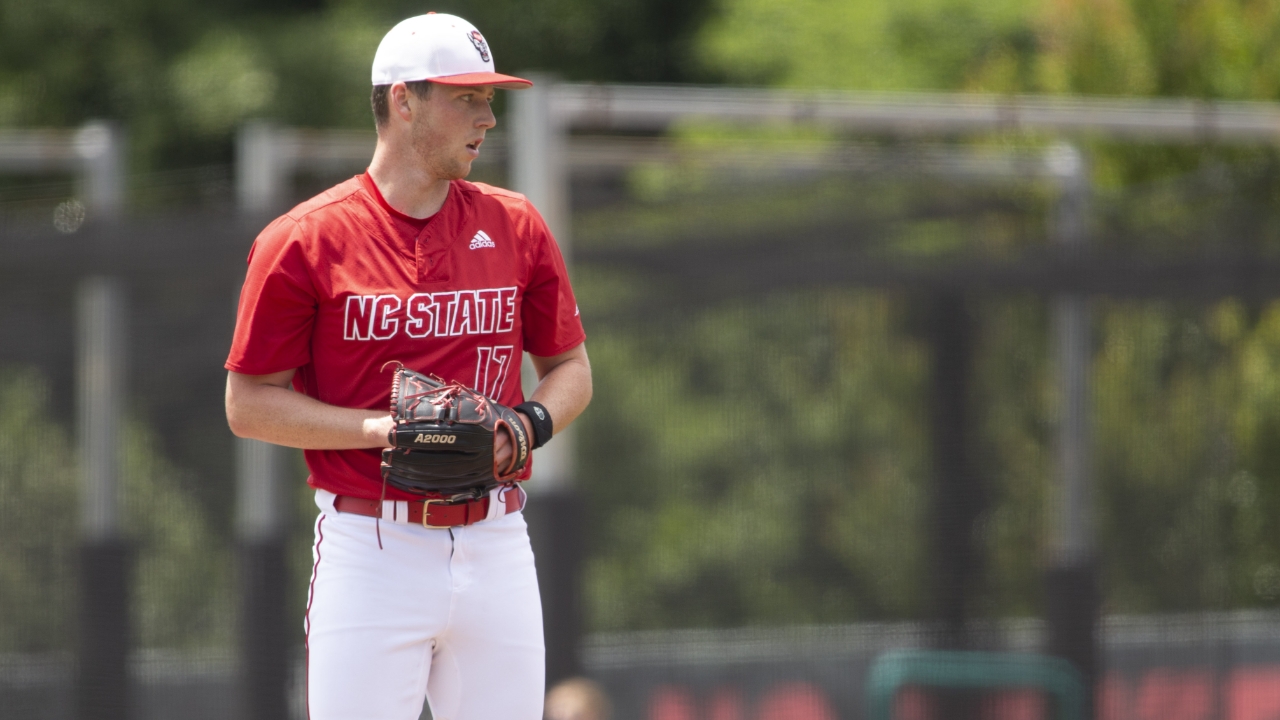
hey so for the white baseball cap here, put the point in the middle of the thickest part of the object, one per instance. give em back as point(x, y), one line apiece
point(441, 48)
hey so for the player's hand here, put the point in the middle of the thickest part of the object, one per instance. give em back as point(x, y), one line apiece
point(502, 444)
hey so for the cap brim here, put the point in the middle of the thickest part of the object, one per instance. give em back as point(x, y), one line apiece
point(498, 80)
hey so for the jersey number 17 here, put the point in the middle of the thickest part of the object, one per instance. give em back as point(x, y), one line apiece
point(492, 365)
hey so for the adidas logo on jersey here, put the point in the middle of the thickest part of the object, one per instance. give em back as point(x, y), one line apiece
point(482, 240)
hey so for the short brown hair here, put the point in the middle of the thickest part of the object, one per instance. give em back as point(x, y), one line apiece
point(380, 99)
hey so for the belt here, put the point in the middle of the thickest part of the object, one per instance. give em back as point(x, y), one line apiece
point(433, 513)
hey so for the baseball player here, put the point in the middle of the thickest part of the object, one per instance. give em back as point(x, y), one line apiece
point(412, 595)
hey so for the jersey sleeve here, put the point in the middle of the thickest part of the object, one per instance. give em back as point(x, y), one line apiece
point(549, 311)
point(277, 305)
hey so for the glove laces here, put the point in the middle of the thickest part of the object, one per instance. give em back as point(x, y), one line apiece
point(446, 397)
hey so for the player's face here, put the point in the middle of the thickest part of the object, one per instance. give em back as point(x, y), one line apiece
point(449, 128)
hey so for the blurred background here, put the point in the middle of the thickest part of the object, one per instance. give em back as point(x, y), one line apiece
point(918, 328)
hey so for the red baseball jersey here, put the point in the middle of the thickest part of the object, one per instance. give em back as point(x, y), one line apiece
point(343, 284)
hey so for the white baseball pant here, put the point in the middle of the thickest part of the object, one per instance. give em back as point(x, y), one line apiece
point(453, 615)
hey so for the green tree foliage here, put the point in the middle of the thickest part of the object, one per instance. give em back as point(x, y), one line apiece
point(37, 520)
point(1187, 425)
point(1203, 48)
point(181, 74)
point(779, 486)
point(182, 590)
point(765, 460)
point(1208, 48)
point(875, 45)
point(1185, 414)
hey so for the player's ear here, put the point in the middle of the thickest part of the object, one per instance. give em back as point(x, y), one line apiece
point(398, 101)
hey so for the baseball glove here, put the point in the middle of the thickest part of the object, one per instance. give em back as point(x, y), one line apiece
point(443, 440)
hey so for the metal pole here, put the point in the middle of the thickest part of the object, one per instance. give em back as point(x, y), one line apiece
point(103, 679)
point(958, 496)
point(656, 107)
point(555, 511)
point(537, 156)
point(538, 171)
point(103, 683)
point(260, 505)
point(264, 622)
point(1073, 602)
point(1073, 541)
point(100, 363)
point(101, 149)
point(262, 172)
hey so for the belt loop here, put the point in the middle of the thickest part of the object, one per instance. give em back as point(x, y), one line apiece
point(518, 501)
point(497, 505)
point(325, 500)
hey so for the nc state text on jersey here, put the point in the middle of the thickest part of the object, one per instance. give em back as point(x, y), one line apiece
point(442, 314)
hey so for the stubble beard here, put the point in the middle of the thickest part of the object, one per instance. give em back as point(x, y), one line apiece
point(429, 147)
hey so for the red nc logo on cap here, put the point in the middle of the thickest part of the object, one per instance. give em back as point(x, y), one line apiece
point(481, 46)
